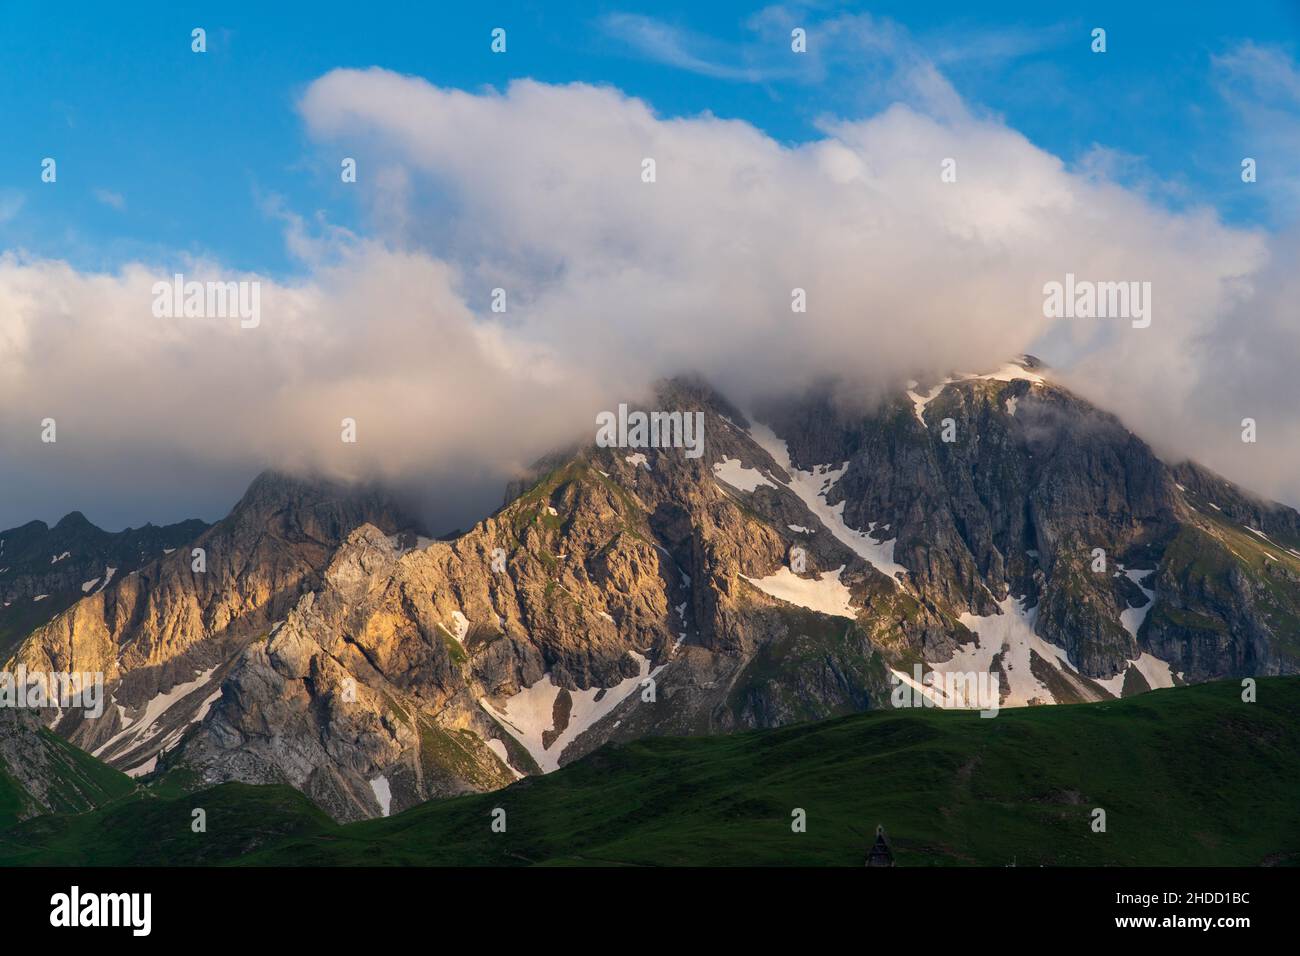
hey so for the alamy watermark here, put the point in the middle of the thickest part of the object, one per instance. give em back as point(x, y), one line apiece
point(209, 300)
point(62, 690)
point(1084, 299)
point(75, 908)
point(626, 429)
point(961, 690)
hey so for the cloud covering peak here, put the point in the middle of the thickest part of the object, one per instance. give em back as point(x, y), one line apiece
point(611, 282)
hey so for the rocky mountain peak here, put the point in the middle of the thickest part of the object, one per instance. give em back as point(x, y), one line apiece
point(74, 521)
point(809, 557)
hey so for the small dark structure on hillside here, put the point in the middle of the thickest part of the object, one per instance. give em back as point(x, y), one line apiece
point(880, 854)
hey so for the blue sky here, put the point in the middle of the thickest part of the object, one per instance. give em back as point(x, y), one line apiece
point(162, 151)
point(1123, 165)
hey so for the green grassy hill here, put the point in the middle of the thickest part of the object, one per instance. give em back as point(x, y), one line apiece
point(1188, 776)
point(72, 780)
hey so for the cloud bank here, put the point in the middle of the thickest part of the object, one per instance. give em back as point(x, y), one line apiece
point(612, 282)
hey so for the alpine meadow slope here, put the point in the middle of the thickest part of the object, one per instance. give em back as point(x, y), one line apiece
point(951, 789)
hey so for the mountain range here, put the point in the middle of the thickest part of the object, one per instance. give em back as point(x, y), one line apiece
point(815, 558)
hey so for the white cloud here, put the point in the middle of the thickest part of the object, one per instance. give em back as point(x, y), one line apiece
point(11, 201)
point(1267, 74)
point(613, 282)
point(1262, 85)
point(680, 48)
point(143, 404)
point(858, 61)
point(109, 198)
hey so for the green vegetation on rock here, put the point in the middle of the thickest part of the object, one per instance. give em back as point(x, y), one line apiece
point(1187, 776)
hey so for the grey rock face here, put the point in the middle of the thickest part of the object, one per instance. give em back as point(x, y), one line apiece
point(44, 570)
point(628, 592)
point(166, 626)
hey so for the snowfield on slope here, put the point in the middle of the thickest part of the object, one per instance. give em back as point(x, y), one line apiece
point(383, 793)
point(141, 729)
point(1133, 617)
point(1007, 373)
point(920, 401)
point(733, 473)
point(1011, 634)
point(828, 595)
point(811, 487)
point(530, 713)
point(1155, 672)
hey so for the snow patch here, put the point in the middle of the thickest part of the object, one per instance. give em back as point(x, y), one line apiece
point(108, 576)
point(733, 473)
point(920, 401)
point(144, 768)
point(206, 705)
point(828, 595)
point(1133, 617)
point(638, 459)
point(530, 713)
point(1014, 630)
point(1007, 373)
point(1155, 671)
point(1011, 634)
point(383, 793)
point(811, 488)
point(498, 747)
point(1010, 373)
point(141, 728)
point(1158, 673)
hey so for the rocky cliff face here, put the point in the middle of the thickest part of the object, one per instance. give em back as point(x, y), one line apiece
point(45, 570)
point(800, 568)
point(163, 635)
point(1036, 494)
point(609, 600)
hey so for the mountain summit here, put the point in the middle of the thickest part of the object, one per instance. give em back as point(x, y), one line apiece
point(809, 563)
